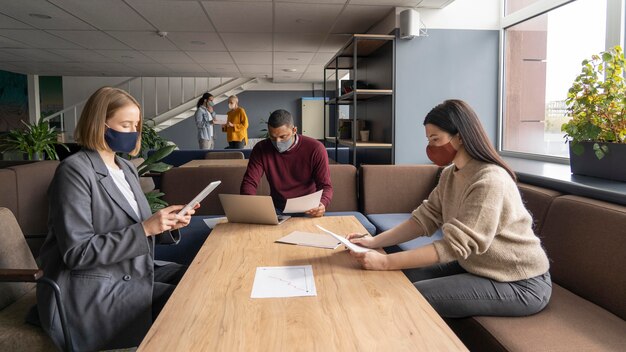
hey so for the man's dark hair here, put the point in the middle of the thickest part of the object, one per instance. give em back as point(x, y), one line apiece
point(280, 118)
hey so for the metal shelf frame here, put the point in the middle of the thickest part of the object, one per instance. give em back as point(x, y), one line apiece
point(347, 58)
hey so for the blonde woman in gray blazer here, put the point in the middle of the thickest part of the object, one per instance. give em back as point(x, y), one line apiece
point(100, 244)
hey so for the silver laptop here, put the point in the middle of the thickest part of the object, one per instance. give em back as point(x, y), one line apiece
point(251, 209)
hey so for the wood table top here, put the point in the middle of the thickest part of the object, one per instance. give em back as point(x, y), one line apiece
point(354, 310)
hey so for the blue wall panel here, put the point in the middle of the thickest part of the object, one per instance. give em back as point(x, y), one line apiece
point(448, 64)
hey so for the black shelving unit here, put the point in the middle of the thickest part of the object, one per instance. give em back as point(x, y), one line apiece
point(368, 59)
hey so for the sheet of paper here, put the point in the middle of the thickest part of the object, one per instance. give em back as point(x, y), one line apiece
point(310, 239)
point(220, 119)
point(212, 222)
point(283, 281)
point(304, 203)
point(351, 246)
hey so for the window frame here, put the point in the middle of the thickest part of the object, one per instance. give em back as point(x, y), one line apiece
point(614, 34)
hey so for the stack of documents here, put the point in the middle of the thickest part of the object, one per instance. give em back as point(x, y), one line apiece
point(310, 239)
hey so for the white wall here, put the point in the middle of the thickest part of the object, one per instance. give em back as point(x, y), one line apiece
point(464, 14)
point(77, 89)
point(460, 14)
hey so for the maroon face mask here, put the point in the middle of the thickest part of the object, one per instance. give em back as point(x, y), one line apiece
point(441, 155)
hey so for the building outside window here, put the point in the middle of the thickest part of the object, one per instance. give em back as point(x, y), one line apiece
point(542, 54)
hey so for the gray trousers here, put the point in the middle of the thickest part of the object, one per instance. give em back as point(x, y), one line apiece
point(455, 293)
point(206, 143)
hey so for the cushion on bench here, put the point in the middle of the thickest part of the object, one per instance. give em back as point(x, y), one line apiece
point(16, 334)
point(362, 219)
point(395, 188)
point(343, 179)
point(586, 242)
point(568, 323)
point(537, 200)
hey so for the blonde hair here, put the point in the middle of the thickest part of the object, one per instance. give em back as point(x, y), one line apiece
point(100, 107)
point(234, 99)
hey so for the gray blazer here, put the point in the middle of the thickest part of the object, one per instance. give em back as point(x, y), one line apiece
point(97, 252)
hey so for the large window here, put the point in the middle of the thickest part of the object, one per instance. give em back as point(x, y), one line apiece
point(542, 57)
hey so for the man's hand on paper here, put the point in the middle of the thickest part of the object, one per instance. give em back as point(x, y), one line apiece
point(316, 212)
point(371, 260)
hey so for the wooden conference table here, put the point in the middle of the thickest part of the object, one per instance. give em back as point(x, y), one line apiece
point(354, 310)
point(216, 162)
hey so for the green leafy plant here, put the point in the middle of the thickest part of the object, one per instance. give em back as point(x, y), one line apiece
point(155, 201)
point(153, 164)
point(597, 102)
point(150, 139)
point(264, 132)
point(37, 140)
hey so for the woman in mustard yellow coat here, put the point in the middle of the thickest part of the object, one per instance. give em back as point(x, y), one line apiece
point(236, 126)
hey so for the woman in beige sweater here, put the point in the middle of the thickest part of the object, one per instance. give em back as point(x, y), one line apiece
point(489, 261)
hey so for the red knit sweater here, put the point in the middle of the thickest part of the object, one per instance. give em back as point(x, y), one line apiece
point(301, 170)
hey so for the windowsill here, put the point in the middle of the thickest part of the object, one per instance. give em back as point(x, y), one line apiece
point(559, 177)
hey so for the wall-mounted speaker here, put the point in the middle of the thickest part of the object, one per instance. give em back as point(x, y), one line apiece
point(409, 24)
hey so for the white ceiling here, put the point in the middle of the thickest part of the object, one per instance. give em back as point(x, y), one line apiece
point(227, 38)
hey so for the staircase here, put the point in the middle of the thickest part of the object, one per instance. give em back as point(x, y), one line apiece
point(156, 96)
point(185, 110)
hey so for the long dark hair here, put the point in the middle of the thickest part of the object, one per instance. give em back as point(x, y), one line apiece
point(456, 116)
point(201, 102)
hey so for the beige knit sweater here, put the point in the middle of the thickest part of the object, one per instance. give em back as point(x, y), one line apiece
point(484, 222)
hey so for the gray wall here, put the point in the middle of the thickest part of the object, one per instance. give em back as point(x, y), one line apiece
point(460, 64)
point(258, 106)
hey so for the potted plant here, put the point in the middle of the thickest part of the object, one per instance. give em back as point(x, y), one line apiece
point(151, 165)
point(37, 141)
point(150, 139)
point(597, 104)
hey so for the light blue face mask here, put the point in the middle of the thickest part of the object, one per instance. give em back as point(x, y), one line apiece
point(283, 146)
point(211, 103)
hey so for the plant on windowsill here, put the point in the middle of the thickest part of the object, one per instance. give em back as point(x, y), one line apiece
point(37, 141)
point(597, 104)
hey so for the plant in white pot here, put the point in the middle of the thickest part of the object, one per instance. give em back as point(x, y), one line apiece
point(597, 104)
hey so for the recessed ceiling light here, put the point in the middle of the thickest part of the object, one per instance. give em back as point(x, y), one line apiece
point(289, 69)
point(197, 42)
point(40, 16)
point(293, 59)
point(302, 20)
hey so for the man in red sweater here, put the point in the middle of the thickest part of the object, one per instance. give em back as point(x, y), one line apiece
point(294, 165)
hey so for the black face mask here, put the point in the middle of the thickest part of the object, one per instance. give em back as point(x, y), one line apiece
point(121, 142)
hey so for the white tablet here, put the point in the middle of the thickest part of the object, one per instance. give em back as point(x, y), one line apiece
point(197, 199)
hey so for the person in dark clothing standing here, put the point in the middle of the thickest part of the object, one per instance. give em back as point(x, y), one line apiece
point(294, 165)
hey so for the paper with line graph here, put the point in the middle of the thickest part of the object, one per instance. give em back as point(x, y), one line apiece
point(283, 281)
